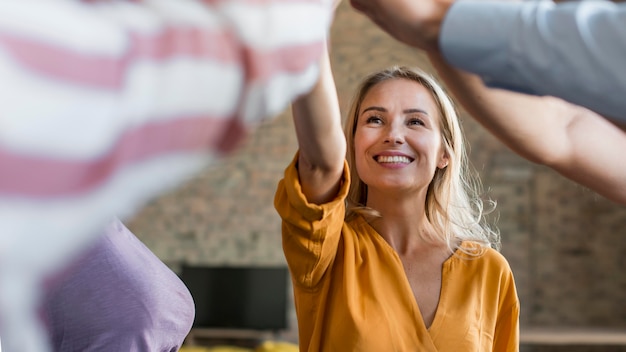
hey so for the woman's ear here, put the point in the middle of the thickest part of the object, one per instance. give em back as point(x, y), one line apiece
point(443, 162)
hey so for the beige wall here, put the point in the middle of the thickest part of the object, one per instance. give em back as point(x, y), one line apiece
point(567, 246)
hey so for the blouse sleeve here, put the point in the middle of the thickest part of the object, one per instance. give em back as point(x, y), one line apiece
point(107, 104)
point(311, 233)
point(573, 50)
point(506, 336)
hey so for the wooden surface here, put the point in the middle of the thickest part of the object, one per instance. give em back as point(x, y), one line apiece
point(581, 336)
point(234, 337)
point(572, 336)
point(231, 333)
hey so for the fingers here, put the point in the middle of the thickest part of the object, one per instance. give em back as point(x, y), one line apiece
point(358, 5)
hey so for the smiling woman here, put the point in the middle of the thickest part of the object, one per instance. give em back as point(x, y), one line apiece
point(387, 245)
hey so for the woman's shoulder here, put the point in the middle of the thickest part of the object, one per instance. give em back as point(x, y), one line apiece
point(480, 255)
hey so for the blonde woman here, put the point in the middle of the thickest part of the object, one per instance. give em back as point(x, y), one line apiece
point(383, 230)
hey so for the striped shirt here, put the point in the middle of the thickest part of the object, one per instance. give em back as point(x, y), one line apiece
point(106, 104)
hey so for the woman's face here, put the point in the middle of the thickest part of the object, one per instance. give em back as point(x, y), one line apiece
point(397, 140)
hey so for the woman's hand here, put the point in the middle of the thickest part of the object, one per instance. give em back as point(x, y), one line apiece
point(413, 22)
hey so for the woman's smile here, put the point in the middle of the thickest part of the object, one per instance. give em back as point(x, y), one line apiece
point(393, 159)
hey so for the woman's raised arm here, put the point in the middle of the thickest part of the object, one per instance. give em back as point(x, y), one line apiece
point(321, 139)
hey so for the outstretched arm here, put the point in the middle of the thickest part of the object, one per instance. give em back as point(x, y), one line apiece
point(321, 140)
point(578, 143)
point(515, 44)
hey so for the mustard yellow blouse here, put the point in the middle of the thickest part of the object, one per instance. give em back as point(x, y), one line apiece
point(352, 294)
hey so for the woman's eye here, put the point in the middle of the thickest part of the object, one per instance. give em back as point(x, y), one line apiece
point(416, 122)
point(374, 119)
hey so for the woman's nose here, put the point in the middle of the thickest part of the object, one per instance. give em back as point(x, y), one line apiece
point(394, 136)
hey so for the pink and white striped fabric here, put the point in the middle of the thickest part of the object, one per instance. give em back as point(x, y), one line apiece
point(106, 104)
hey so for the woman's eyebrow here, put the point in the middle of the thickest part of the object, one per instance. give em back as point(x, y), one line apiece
point(374, 108)
point(414, 111)
point(407, 111)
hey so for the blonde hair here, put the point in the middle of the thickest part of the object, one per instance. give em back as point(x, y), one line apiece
point(453, 205)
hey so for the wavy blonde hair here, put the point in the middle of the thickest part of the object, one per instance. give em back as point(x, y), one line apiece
point(453, 203)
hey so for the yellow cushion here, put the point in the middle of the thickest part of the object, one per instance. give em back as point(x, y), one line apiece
point(276, 346)
point(193, 349)
point(214, 349)
point(267, 346)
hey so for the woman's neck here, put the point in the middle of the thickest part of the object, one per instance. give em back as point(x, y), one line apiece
point(403, 222)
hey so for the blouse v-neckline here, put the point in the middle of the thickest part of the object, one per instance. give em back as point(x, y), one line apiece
point(442, 305)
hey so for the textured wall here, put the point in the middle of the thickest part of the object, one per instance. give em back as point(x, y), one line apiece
point(565, 244)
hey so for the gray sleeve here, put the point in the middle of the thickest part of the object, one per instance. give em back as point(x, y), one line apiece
point(572, 50)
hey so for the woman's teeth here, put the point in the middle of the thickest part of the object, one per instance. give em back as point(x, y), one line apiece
point(393, 159)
